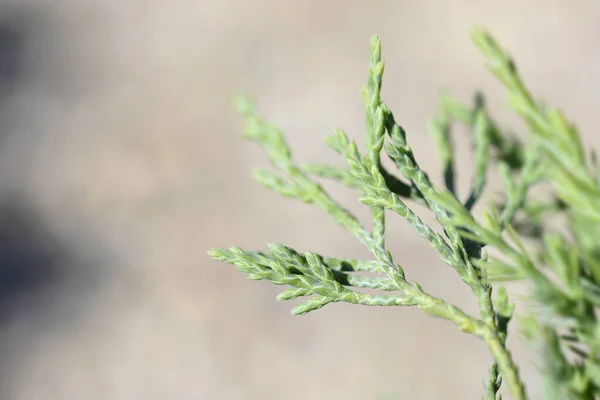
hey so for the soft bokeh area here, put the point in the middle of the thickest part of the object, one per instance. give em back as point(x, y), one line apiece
point(121, 163)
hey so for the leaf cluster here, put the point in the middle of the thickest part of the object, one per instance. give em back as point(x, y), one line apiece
point(563, 274)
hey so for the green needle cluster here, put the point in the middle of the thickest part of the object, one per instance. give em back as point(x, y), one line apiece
point(562, 270)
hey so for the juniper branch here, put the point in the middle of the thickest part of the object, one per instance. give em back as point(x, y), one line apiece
point(565, 276)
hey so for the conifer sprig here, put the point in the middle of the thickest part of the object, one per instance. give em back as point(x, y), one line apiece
point(563, 274)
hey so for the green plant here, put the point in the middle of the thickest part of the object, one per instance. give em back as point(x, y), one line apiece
point(562, 270)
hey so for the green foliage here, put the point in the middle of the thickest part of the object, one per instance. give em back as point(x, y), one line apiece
point(562, 271)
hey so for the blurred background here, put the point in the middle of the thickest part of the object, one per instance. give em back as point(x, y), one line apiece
point(121, 163)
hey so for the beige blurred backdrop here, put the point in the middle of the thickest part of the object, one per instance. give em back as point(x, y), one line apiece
point(121, 163)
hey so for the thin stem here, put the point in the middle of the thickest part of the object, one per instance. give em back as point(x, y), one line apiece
point(508, 367)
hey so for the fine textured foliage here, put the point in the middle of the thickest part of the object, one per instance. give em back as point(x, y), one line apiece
point(562, 270)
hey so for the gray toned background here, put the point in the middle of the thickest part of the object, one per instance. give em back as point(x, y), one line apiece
point(121, 163)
